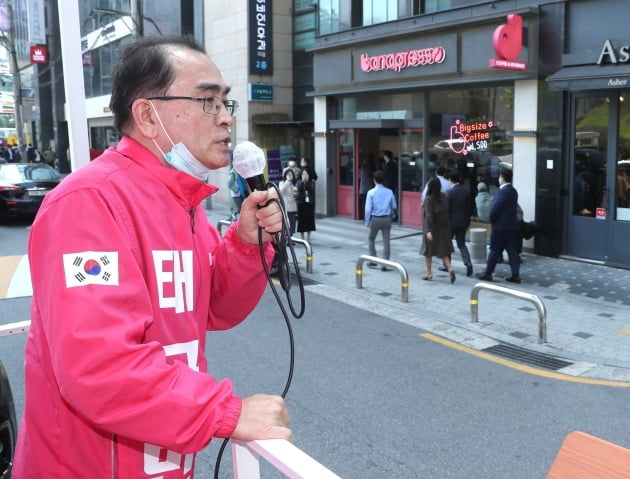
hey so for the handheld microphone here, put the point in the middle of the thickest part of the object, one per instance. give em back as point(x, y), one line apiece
point(249, 162)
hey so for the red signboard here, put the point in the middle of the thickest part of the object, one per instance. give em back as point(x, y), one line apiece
point(507, 41)
point(39, 54)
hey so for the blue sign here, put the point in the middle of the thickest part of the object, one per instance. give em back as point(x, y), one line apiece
point(260, 92)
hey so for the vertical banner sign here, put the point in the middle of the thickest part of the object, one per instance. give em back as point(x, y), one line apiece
point(4, 16)
point(36, 22)
point(260, 37)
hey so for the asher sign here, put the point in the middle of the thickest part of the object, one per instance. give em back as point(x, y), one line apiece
point(608, 54)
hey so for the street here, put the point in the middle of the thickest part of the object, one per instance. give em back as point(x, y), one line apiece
point(372, 398)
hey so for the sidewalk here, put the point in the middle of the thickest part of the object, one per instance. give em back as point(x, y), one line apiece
point(588, 306)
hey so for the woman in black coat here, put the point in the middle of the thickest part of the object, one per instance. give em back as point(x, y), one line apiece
point(306, 205)
point(436, 237)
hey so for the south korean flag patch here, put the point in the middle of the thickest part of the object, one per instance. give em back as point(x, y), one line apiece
point(91, 267)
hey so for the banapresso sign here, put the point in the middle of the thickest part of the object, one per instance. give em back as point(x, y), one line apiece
point(400, 60)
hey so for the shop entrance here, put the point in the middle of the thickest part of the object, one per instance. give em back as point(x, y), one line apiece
point(599, 220)
point(360, 153)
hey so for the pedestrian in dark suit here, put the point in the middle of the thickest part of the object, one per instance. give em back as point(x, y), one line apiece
point(390, 171)
point(460, 211)
point(505, 229)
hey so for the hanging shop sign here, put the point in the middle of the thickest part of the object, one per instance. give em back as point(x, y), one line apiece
point(39, 54)
point(398, 61)
point(507, 42)
point(260, 37)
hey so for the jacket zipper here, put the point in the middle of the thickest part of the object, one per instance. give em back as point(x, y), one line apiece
point(192, 218)
point(113, 458)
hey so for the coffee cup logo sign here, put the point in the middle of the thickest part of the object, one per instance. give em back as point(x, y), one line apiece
point(467, 137)
point(507, 42)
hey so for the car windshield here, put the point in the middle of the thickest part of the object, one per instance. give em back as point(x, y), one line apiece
point(17, 173)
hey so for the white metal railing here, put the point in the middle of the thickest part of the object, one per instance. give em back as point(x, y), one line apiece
point(14, 328)
point(284, 456)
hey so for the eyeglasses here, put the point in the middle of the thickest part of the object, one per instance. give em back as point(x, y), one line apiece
point(211, 104)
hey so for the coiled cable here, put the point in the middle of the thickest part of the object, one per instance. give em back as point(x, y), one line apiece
point(285, 266)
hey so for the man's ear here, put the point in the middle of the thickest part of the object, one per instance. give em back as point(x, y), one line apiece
point(145, 118)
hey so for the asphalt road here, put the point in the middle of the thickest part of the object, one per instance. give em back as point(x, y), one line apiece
point(372, 398)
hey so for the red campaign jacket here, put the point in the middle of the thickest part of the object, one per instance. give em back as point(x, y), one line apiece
point(127, 277)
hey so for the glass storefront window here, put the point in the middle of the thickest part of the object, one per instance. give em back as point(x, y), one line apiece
point(403, 106)
point(589, 167)
point(468, 131)
point(328, 16)
point(622, 168)
point(378, 11)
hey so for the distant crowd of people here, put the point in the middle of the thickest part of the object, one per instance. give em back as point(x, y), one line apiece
point(447, 209)
point(298, 194)
point(10, 153)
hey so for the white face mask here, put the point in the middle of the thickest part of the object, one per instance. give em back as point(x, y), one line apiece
point(180, 157)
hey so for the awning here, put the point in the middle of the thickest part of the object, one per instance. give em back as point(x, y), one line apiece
point(295, 123)
point(591, 77)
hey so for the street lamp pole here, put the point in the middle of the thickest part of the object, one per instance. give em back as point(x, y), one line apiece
point(137, 17)
point(9, 41)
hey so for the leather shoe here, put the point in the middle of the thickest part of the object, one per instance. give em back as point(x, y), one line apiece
point(484, 276)
point(372, 265)
point(469, 270)
point(384, 268)
point(514, 279)
point(443, 268)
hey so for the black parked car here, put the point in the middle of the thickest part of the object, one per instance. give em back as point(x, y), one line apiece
point(8, 425)
point(23, 187)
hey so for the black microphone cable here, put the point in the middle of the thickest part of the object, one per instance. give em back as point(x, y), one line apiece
point(282, 242)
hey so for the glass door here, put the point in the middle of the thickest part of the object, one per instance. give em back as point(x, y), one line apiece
point(599, 223)
point(411, 177)
point(619, 180)
point(588, 221)
point(345, 172)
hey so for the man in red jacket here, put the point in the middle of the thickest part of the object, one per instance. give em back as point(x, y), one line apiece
point(128, 275)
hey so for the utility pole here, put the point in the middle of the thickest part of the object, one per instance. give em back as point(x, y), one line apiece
point(53, 70)
point(17, 83)
point(137, 18)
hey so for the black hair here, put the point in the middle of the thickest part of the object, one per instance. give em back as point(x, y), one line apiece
point(506, 174)
point(379, 176)
point(144, 69)
point(454, 176)
point(434, 188)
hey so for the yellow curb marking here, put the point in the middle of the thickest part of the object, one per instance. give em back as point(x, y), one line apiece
point(522, 367)
point(625, 331)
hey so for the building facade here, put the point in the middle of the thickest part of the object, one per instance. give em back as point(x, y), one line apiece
point(478, 86)
point(467, 84)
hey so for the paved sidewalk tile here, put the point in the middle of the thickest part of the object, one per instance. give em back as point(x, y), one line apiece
point(587, 306)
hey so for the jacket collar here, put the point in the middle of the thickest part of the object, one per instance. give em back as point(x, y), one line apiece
point(188, 191)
